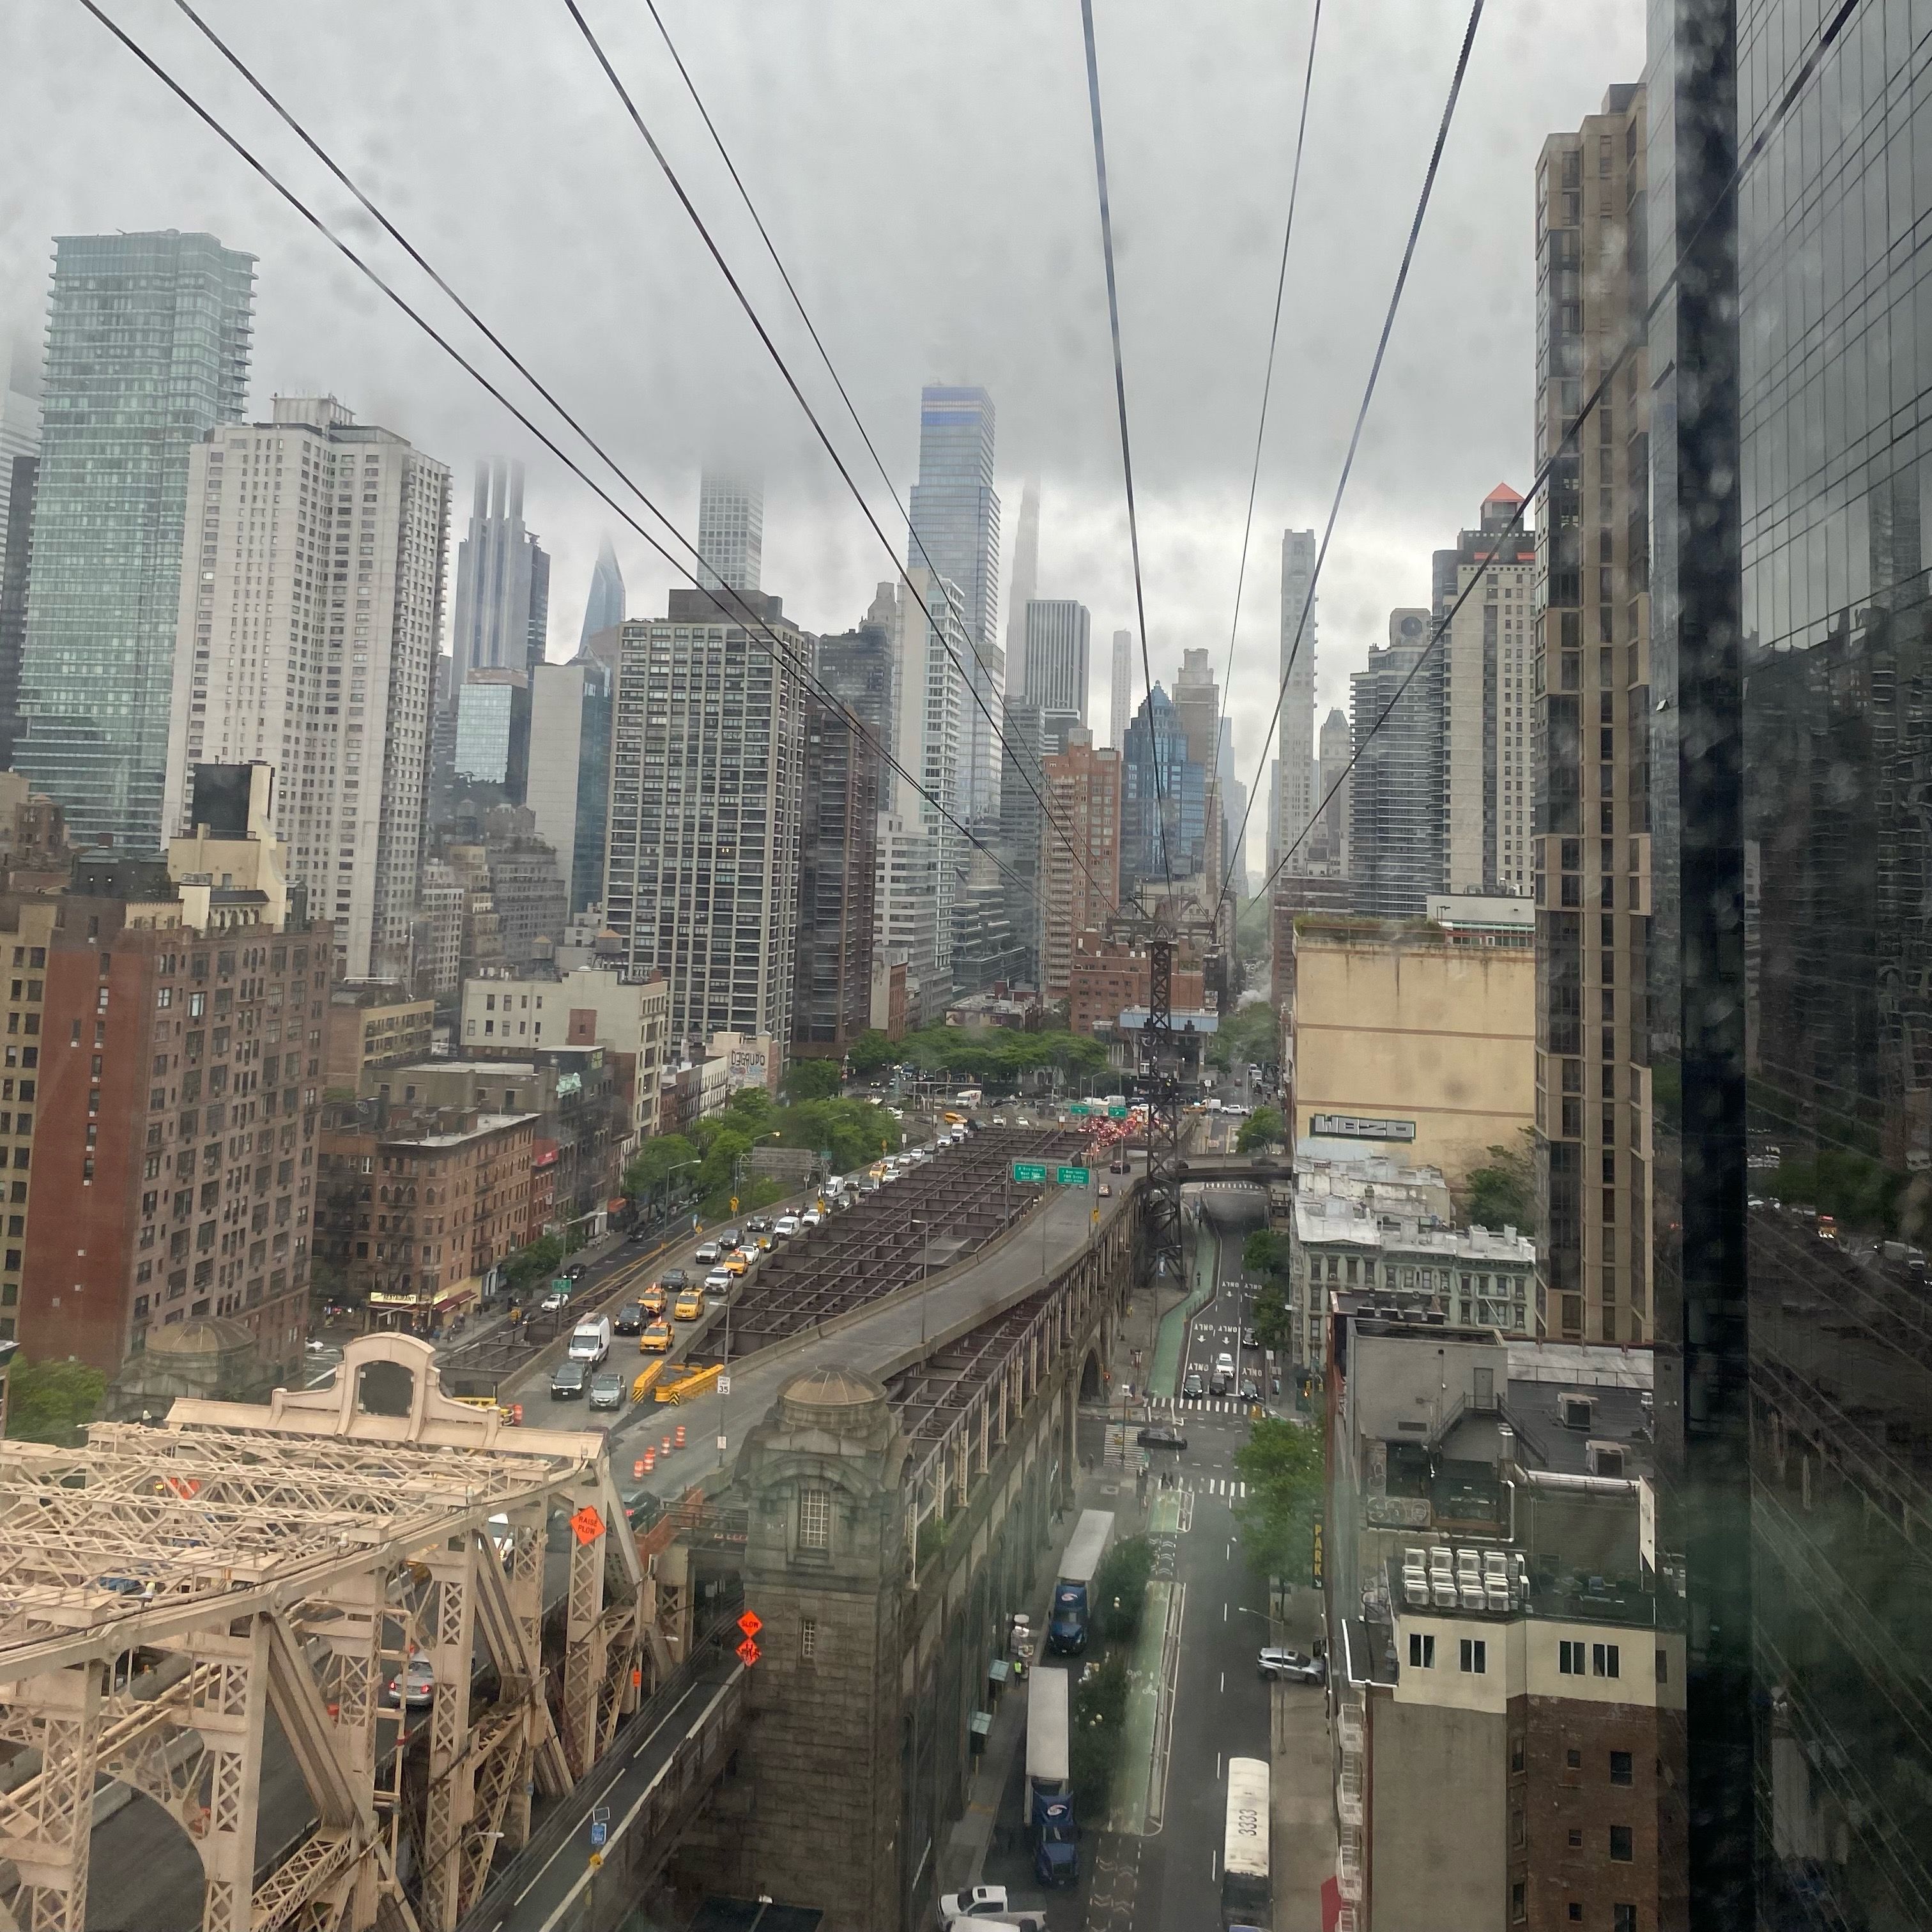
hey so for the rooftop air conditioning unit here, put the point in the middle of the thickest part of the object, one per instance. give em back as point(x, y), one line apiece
point(1606, 1459)
point(1575, 1411)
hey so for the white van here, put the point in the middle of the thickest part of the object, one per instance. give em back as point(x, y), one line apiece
point(590, 1339)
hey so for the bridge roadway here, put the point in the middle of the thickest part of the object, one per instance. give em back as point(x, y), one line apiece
point(895, 1334)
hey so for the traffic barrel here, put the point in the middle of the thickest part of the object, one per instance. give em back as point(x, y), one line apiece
point(680, 1435)
point(665, 1445)
point(650, 1460)
point(637, 1467)
point(517, 1413)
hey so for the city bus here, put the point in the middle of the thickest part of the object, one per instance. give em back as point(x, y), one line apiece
point(1244, 1859)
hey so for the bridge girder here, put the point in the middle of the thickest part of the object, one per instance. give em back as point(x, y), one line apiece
point(287, 1558)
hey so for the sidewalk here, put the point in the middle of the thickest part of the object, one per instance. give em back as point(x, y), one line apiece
point(1302, 1829)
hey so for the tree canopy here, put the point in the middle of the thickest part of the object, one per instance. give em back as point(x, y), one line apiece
point(1501, 1193)
point(811, 1080)
point(1282, 1464)
point(1267, 1255)
point(48, 1401)
point(1251, 1035)
point(1263, 1128)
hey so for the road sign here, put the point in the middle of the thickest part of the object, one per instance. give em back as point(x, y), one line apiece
point(724, 1384)
point(1033, 1172)
point(734, 1204)
point(751, 1623)
point(748, 1652)
point(1073, 1176)
point(1117, 1113)
point(721, 1445)
point(596, 1861)
point(1079, 1110)
point(599, 1833)
point(588, 1525)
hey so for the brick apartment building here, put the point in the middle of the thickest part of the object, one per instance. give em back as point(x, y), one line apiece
point(413, 1216)
point(1105, 977)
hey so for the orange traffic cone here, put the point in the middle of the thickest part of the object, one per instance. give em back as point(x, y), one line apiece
point(650, 1460)
point(637, 1467)
point(680, 1435)
point(665, 1445)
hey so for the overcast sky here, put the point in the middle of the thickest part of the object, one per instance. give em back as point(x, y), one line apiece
point(927, 171)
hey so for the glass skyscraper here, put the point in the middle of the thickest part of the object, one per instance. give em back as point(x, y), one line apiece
point(1163, 818)
point(1789, 705)
point(147, 345)
point(604, 608)
point(955, 533)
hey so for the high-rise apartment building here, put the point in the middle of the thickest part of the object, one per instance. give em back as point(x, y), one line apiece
point(955, 536)
point(502, 581)
point(1023, 726)
point(1026, 584)
point(1120, 714)
point(15, 555)
point(905, 929)
point(568, 787)
point(933, 740)
point(19, 471)
point(1395, 804)
point(310, 602)
point(1080, 855)
point(838, 869)
point(147, 341)
point(1487, 683)
point(1332, 805)
point(1056, 631)
point(1593, 1136)
point(706, 779)
point(730, 532)
point(164, 1028)
point(604, 608)
point(1298, 613)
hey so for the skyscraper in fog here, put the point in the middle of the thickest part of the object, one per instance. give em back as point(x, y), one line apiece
point(502, 581)
point(20, 472)
point(1395, 827)
point(148, 341)
point(604, 608)
point(1056, 634)
point(1298, 674)
point(1121, 714)
point(1026, 584)
point(956, 534)
point(731, 531)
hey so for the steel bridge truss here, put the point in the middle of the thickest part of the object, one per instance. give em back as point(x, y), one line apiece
point(164, 1589)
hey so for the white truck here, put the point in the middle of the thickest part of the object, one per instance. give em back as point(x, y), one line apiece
point(590, 1339)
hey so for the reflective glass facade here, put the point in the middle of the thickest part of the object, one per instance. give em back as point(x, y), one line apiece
point(148, 344)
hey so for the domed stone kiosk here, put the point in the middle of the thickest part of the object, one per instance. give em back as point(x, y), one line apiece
point(821, 1479)
point(212, 1357)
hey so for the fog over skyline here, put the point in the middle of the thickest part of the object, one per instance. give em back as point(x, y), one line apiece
point(927, 175)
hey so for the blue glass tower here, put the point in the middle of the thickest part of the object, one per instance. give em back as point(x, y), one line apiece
point(147, 350)
point(604, 609)
point(1155, 741)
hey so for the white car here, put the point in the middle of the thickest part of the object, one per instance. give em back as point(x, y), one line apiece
point(1224, 1364)
point(708, 1254)
point(719, 1281)
point(811, 1218)
point(980, 1903)
point(786, 1226)
point(413, 1688)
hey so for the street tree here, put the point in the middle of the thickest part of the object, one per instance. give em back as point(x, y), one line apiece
point(1282, 1464)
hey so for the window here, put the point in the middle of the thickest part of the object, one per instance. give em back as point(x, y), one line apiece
point(1663, 1667)
point(1518, 1901)
point(1573, 1760)
point(1422, 1651)
point(815, 1517)
point(1623, 1918)
point(1518, 1756)
point(1576, 1913)
point(1570, 1658)
point(1475, 1656)
point(1620, 1768)
point(1621, 1849)
point(1603, 1660)
point(808, 1636)
point(1577, 1839)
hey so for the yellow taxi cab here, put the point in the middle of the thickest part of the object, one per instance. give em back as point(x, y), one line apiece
point(736, 1262)
point(689, 1306)
point(655, 1339)
point(653, 1300)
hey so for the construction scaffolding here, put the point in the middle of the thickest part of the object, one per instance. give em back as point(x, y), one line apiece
point(330, 1557)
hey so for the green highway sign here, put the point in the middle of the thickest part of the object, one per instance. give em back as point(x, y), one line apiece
point(1033, 1171)
point(1079, 1110)
point(1117, 1113)
point(1073, 1176)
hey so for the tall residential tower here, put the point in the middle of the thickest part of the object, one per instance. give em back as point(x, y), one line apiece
point(148, 343)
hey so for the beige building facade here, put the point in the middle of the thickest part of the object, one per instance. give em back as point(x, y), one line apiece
point(1411, 1046)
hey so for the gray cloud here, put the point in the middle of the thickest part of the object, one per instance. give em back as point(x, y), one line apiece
point(927, 170)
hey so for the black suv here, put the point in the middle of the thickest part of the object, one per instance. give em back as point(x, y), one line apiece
point(1194, 1386)
point(672, 1279)
point(631, 1318)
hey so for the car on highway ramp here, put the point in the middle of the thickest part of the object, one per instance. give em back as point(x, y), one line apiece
point(413, 1687)
point(736, 1263)
point(631, 1318)
point(655, 1340)
point(707, 1254)
point(569, 1380)
point(689, 1306)
point(608, 1388)
point(653, 1301)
